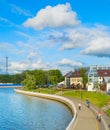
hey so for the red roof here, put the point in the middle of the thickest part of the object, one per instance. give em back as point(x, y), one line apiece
point(76, 74)
point(103, 73)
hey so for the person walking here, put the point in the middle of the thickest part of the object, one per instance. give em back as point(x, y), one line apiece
point(79, 106)
point(99, 116)
point(87, 103)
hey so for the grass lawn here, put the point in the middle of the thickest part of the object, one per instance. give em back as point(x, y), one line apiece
point(95, 98)
point(108, 112)
point(46, 90)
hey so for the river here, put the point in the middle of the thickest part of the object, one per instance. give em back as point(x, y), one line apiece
point(22, 112)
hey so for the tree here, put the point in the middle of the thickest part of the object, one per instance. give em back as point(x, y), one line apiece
point(29, 83)
point(84, 77)
point(41, 77)
point(55, 76)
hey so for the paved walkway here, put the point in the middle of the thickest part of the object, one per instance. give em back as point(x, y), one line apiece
point(86, 119)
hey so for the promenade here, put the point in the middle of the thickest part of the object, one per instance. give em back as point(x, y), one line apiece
point(86, 118)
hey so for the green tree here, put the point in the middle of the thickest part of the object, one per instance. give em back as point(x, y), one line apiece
point(84, 77)
point(55, 76)
point(5, 78)
point(17, 78)
point(29, 83)
point(41, 77)
point(53, 79)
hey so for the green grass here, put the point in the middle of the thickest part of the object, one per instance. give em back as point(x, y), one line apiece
point(95, 98)
point(108, 112)
point(46, 90)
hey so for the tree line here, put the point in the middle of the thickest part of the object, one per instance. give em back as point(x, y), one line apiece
point(41, 77)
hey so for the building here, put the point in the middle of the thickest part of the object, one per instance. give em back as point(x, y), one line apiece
point(103, 78)
point(67, 78)
point(98, 76)
point(76, 80)
point(92, 76)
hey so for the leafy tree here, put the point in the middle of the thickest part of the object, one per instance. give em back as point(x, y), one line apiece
point(29, 83)
point(5, 78)
point(53, 79)
point(55, 76)
point(41, 77)
point(84, 77)
point(17, 78)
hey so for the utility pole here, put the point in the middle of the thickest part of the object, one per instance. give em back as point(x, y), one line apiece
point(6, 65)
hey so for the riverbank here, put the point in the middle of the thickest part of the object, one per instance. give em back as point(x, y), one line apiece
point(64, 100)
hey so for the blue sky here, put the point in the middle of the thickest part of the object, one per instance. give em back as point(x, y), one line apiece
point(49, 34)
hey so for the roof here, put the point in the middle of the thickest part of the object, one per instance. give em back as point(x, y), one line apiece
point(68, 74)
point(103, 73)
point(76, 73)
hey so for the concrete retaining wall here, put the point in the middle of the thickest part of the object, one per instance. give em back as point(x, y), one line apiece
point(64, 100)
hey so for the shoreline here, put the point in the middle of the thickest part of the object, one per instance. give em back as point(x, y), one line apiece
point(63, 100)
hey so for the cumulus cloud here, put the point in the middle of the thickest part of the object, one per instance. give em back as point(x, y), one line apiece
point(78, 37)
point(81, 37)
point(98, 47)
point(18, 67)
point(57, 16)
point(89, 40)
point(71, 63)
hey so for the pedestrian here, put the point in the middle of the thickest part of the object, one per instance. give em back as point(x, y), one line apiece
point(79, 106)
point(87, 103)
point(99, 116)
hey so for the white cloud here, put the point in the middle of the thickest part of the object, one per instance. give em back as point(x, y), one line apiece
point(19, 10)
point(78, 37)
point(99, 47)
point(31, 55)
point(89, 40)
point(6, 21)
point(71, 63)
point(18, 67)
point(57, 16)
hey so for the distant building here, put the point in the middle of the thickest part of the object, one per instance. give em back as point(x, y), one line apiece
point(92, 76)
point(76, 79)
point(67, 78)
point(98, 76)
point(103, 78)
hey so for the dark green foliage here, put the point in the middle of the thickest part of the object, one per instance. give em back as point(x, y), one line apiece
point(42, 77)
point(16, 79)
point(84, 77)
point(55, 76)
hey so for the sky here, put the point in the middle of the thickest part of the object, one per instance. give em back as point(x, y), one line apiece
point(50, 34)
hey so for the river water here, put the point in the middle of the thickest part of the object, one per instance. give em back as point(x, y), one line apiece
point(22, 112)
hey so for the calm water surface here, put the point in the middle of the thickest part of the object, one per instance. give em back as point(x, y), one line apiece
point(22, 112)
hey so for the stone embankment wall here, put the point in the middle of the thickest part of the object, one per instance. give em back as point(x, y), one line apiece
point(64, 100)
